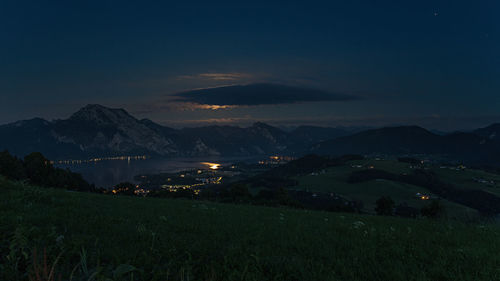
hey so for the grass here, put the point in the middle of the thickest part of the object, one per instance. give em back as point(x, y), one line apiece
point(100, 237)
point(335, 180)
point(465, 179)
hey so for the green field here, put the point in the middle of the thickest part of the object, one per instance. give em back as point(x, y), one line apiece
point(104, 237)
point(334, 179)
point(465, 179)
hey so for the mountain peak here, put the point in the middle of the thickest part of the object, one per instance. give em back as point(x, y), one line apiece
point(98, 107)
point(261, 125)
point(91, 106)
point(101, 114)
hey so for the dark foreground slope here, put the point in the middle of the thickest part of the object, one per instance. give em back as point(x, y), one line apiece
point(127, 238)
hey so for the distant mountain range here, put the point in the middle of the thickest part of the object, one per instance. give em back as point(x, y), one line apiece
point(96, 130)
point(481, 146)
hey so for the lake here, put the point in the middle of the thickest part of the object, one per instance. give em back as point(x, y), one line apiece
point(108, 173)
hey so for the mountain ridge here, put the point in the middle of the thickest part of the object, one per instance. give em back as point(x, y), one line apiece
point(412, 140)
point(96, 130)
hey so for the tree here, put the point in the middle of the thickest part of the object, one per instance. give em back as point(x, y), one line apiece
point(38, 169)
point(11, 167)
point(68, 180)
point(41, 172)
point(284, 198)
point(239, 192)
point(433, 210)
point(385, 206)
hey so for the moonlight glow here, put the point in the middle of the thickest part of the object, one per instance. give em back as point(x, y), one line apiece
point(212, 166)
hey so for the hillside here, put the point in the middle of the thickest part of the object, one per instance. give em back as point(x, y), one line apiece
point(327, 183)
point(337, 179)
point(130, 238)
point(491, 132)
point(412, 140)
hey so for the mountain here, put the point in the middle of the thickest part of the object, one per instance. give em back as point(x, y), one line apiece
point(491, 132)
point(260, 138)
point(312, 134)
point(95, 130)
point(392, 140)
point(23, 137)
point(98, 129)
point(469, 147)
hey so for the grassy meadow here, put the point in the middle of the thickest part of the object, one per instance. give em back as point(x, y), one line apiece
point(85, 236)
point(335, 179)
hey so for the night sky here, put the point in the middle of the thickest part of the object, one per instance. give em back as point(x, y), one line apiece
point(341, 63)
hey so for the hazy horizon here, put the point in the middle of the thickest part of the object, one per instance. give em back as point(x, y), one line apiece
point(426, 122)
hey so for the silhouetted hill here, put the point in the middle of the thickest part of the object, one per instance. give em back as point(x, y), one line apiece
point(491, 132)
point(312, 134)
point(24, 137)
point(393, 140)
point(461, 146)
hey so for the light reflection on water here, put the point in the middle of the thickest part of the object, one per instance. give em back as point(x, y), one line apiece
point(108, 173)
point(212, 166)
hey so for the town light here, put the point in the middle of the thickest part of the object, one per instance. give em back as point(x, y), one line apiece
point(212, 166)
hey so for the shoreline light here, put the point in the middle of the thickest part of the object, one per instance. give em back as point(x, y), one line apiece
point(212, 166)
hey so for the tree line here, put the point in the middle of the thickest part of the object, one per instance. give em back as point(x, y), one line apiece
point(37, 170)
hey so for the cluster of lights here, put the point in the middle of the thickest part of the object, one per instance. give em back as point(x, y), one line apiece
point(193, 187)
point(141, 191)
point(175, 188)
point(210, 180)
point(277, 159)
point(423, 196)
point(116, 191)
point(93, 160)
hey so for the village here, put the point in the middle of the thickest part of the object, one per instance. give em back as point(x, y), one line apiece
point(209, 174)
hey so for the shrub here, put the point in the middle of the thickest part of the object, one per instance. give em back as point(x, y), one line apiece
point(433, 210)
point(11, 167)
point(385, 206)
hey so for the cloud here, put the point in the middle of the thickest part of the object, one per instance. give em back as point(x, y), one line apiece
point(255, 94)
point(232, 76)
point(225, 121)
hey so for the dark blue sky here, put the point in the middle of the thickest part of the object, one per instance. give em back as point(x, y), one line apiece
point(430, 63)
